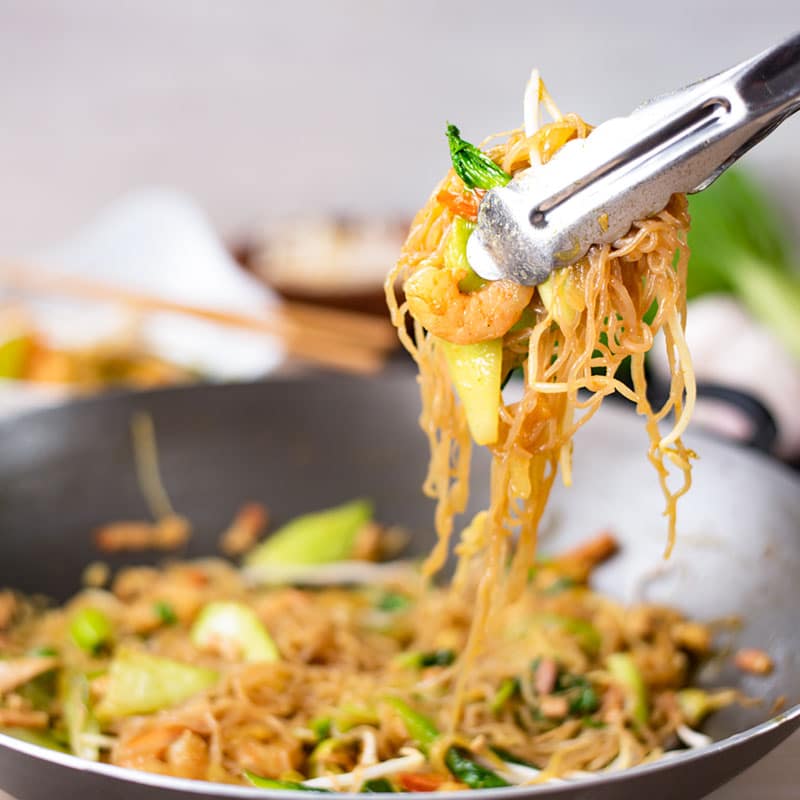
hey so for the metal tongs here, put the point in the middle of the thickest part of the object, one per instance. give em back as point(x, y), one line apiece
point(593, 189)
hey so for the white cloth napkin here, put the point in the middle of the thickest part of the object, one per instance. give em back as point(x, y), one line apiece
point(157, 241)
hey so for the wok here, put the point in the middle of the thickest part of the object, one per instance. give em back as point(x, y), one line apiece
point(299, 445)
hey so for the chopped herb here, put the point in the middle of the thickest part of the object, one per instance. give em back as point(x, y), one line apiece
point(473, 166)
point(393, 601)
point(464, 767)
point(508, 688)
point(321, 727)
point(377, 786)
point(431, 658)
point(165, 612)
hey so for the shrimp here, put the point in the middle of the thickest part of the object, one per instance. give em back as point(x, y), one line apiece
point(438, 304)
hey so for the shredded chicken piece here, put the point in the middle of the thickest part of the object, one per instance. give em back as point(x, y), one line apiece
point(554, 706)
point(8, 609)
point(247, 527)
point(23, 718)
point(593, 551)
point(753, 660)
point(169, 533)
point(17, 671)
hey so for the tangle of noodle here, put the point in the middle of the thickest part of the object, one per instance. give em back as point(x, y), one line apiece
point(326, 711)
point(570, 354)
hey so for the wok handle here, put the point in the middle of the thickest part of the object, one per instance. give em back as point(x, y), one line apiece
point(764, 428)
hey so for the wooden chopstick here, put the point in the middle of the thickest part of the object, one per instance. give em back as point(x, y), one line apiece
point(335, 339)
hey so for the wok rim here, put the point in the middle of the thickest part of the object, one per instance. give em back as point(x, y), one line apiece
point(789, 718)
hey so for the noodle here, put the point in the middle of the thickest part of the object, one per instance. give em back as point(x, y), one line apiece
point(573, 338)
point(204, 671)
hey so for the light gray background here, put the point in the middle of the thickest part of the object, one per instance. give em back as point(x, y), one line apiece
point(263, 109)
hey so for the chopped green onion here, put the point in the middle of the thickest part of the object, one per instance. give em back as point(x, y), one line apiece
point(473, 166)
point(419, 727)
point(393, 601)
point(508, 688)
point(378, 786)
point(165, 612)
point(321, 727)
point(90, 629)
point(432, 658)
point(464, 767)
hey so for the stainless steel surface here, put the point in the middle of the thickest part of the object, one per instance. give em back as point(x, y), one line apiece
point(65, 471)
point(593, 189)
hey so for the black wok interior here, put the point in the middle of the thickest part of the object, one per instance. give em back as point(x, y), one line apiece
point(294, 445)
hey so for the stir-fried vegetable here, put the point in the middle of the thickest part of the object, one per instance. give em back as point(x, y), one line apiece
point(455, 254)
point(140, 683)
point(272, 783)
point(15, 672)
point(477, 371)
point(235, 631)
point(697, 704)
point(473, 166)
point(625, 672)
point(378, 786)
point(41, 738)
point(90, 629)
point(165, 613)
point(317, 538)
point(429, 658)
point(78, 717)
point(459, 760)
point(739, 245)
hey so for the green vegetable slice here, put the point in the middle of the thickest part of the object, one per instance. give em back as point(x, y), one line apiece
point(165, 612)
point(625, 672)
point(419, 727)
point(273, 783)
point(473, 166)
point(508, 688)
point(140, 683)
point(477, 372)
point(90, 629)
point(455, 254)
point(233, 628)
point(317, 538)
point(78, 716)
point(459, 760)
point(378, 786)
point(430, 658)
point(464, 767)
